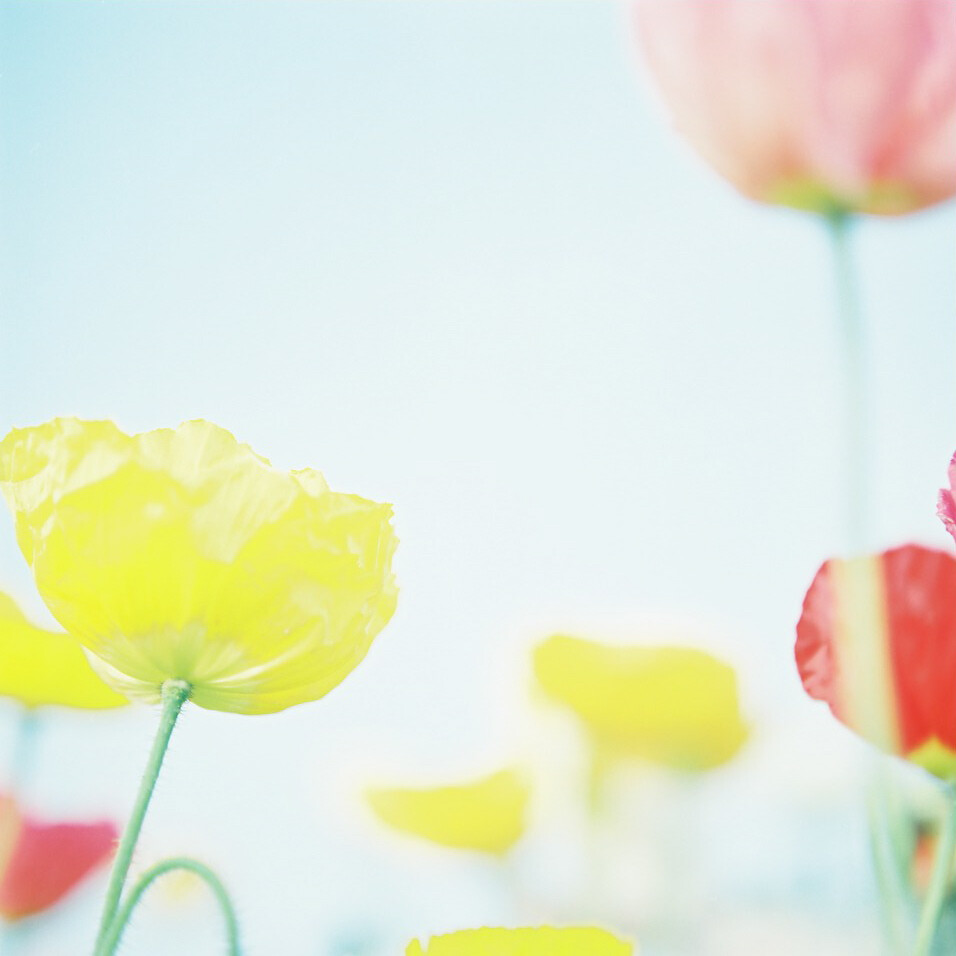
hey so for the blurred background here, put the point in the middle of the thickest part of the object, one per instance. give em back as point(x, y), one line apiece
point(452, 255)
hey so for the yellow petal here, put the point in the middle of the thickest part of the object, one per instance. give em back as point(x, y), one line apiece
point(486, 814)
point(675, 706)
point(526, 941)
point(181, 554)
point(40, 667)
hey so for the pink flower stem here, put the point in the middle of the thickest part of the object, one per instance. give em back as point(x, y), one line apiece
point(883, 816)
point(856, 438)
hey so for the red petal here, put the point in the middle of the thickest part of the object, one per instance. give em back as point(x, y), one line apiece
point(816, 631)
point(48, 860)
point(921, 598)
point(920, 594)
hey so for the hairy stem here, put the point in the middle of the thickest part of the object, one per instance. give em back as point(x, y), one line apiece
point(115, 933)
point(175, 693)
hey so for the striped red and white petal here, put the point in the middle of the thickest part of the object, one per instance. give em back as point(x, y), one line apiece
point(877, 642)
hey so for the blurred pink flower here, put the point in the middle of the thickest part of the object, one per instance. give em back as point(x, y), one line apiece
point(947, 501)
point(41, 862)
point(828, 105)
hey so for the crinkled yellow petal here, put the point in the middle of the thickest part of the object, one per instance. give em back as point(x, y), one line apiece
point(40, 667)
point(525, 941)
point(487, 814)
point(675, 706)
point(182, 554)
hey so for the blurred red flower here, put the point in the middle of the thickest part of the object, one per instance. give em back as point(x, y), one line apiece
point(877, 642)
point(41, 862)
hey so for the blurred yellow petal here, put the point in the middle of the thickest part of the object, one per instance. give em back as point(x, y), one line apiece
point(675, 706)
point(181, 554)
point(40, 667)
point(526, 941)
point(487, 814)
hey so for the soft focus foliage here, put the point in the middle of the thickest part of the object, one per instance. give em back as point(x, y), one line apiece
point(41, 862)
point(526, 941)
point(40, 667)
point(676, 706)
point(181, 554)
point(819, 104)
point(877, 642)
point(486, 814)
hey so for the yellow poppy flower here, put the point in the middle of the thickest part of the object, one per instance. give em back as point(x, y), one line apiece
point(486, 814)
point(180, 554)
point(675, 706)
point(40, 667)
point(526, 941)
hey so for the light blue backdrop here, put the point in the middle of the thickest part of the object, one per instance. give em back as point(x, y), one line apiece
point(450, 254)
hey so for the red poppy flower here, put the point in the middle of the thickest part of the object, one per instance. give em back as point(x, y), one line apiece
point(877, 642)
point(41, 862)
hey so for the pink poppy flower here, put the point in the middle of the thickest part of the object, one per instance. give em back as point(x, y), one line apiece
point(40, 863)
point(947, 501)
point(877, 642)
point(825, 105)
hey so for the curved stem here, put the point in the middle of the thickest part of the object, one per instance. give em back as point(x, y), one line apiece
point(938, 884)
point(112, 938)
point(175, 693)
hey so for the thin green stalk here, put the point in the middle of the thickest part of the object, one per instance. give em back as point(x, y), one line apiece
point(883, 816)
point(856, 431)
point(28, 728)
point(938, 884)
point(887, 867)
point(112, 938)
point(175, 693)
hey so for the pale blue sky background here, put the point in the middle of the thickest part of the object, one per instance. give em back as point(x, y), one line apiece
point(450, 254)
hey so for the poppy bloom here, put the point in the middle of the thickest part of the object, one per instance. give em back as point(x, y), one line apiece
point(526, 941)
point(826, 105)
point(181, 555)
point(675, 706)
point(877, 642)
point(947, 501)
point(40, 863)
point(40, 667)
point(486, 814)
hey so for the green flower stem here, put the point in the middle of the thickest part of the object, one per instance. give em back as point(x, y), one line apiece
point(175, 693)
point(938, 884)
point(886, 843)
point(28, 729)
point(856, 385)
point(112, 938)
point(888, 866)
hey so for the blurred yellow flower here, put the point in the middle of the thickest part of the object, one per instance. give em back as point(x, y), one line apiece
point(180, 554)
point(526, 941)
point(675, 706)
point(40, 667)
point(486, 814)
